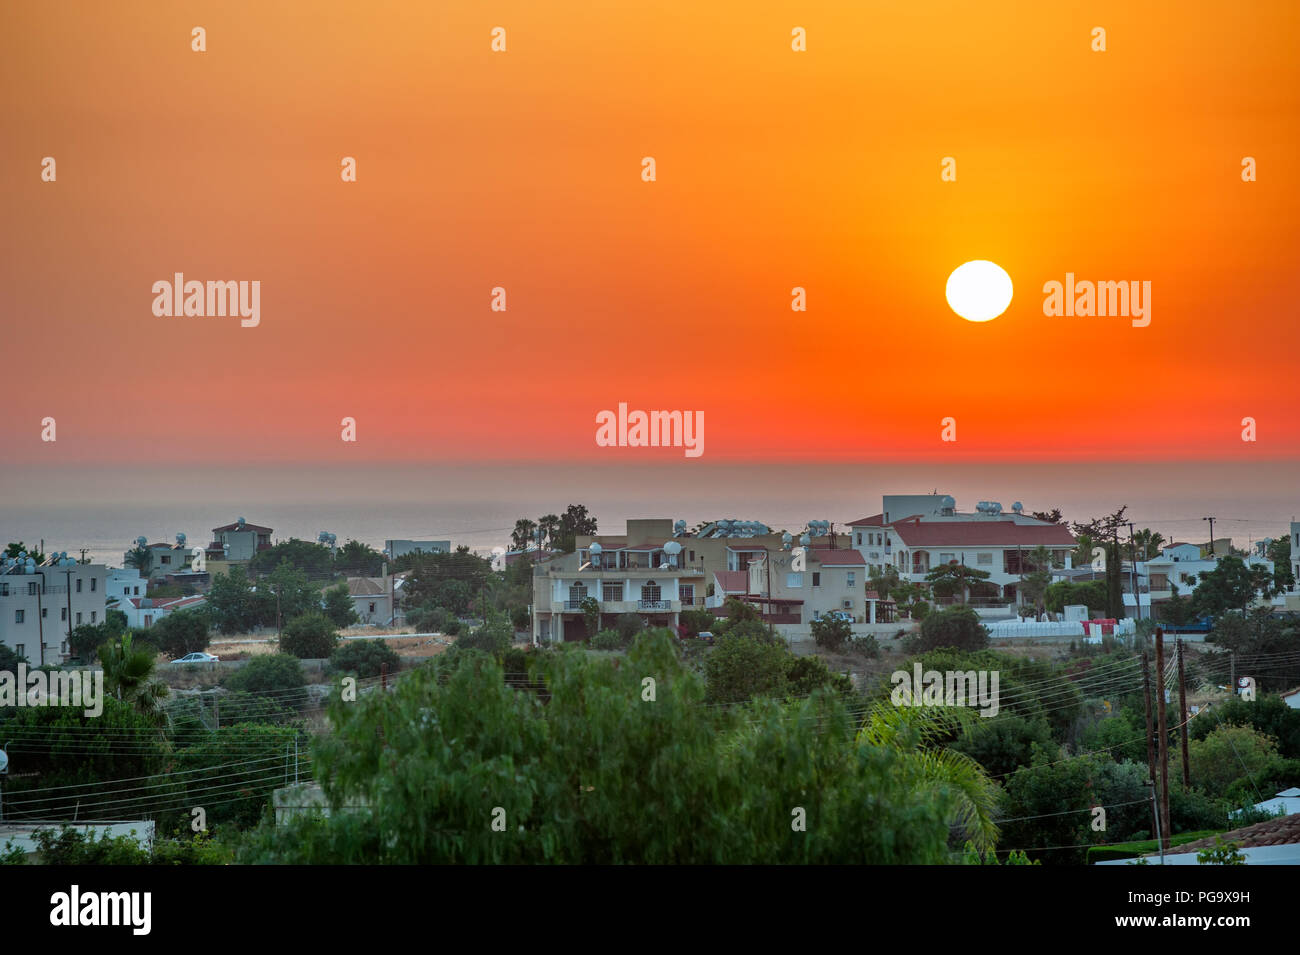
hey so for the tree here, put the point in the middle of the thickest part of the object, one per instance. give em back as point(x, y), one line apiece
point(954, 578)
point(573, 523)
point(524, 534)
point(13, 550)
point(9, 660)
point(360, 559)
point(310, 636)
point(741, 668)
point(86, 639)
point(831, 632)
point(1279, 552)
point(288, 592)
point(306, 556)
point(1231, 585)
point(1147, 543)
point(141, 558)
point(339, 606)
point(957, 627)
point(1033, 585)
point(590, 608)
point(230, 604)
point(587, 779)
point(548, 525)
point(496, 636)
point(695, 622)
point(364, 658)
point(1223, 757)
point(1052, 517)
point(182, 633)
point(129, 676)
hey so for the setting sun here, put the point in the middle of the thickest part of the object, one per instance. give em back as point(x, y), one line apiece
point(979, 291)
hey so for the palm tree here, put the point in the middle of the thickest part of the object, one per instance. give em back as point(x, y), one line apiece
point(524, 533)
point(129, 675)
point(914, 733)
point(547, 526)
point(139, 557)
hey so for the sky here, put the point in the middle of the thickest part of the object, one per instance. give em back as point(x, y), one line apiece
point(522, 169)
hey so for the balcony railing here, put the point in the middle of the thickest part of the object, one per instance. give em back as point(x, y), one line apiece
point(654, 604)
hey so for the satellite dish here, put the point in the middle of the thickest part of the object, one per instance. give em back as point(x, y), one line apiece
point(4, 762)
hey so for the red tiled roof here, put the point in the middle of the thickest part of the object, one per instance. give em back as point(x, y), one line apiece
point(248, 527)
point(1282, 831)
point(838, 558)
point(917, 533)
point(876, 520)
point(732, 581)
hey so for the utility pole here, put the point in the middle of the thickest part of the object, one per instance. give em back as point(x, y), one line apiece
point(1182, 705)
point(1211, 520)
point(1151, 741)
point(1133, 572)
point(1232, 664)
point(1162, 742)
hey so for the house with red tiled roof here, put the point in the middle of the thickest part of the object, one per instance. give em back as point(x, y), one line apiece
point(1271, 842)
point(916, 534)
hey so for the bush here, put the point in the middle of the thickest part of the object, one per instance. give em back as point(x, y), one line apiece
point(266, 673)
point(520, 619)
point(740, 668)
point(608, 640)
point(695, 622)
point(309, 637)
point(364, 658)
point(628, 626)
point(495, 637)
point(864, 646)
point(957, 627)
point(181, 633)
point(339, 606)
point(831, 633)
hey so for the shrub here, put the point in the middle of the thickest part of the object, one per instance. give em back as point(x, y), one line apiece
point(865, 645)
point(495, 637)
point(363, 658)
point(741, 668)
point(339, 606)
point(695, 622)
point(181, 633)
point(608, 640)
point(266, 673)
point(831, 633)
point(957, 627)
point(309, 637)
point(628, 626)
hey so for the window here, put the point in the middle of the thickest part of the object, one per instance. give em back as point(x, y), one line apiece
point(859, 538)
point(45, 612)
point(984, 559)
point(137, 592)
point(63, 614)
point(4, 590)
point(577, 594)
point(94, 584)
point(692, 553)
point(20, 649)
point(794, 580)
point(687, 593)
point(78, 616)
point(817, 579)
point(372, 606)
point(93, 615)
point(18, 615)
point(166, 560)
point(31, 588)
point(611, 590)
point(650, 592)
point(852, 578)
point(947, 558)
point(78, 585)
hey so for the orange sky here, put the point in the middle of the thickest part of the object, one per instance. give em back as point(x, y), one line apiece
point(775, 169)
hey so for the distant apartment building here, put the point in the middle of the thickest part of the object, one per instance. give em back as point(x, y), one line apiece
point(399, 548)
point(238, 542)
point(41, 604)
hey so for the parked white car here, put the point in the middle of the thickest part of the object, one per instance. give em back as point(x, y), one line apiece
point(197, 658)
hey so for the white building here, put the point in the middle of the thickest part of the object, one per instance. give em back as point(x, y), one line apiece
point(40, 605)
point(916, 534)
